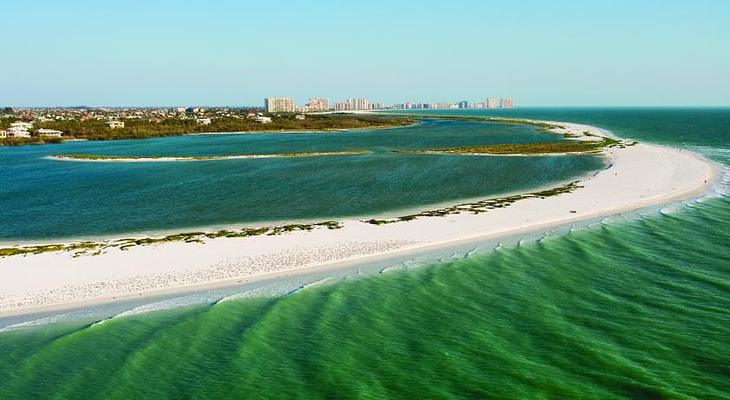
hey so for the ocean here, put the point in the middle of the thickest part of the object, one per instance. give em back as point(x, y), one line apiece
point(633, 306)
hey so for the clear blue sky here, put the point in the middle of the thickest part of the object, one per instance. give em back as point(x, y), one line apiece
point(548, 52)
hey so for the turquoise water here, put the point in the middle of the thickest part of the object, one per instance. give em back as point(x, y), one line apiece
point(629, 307)
point(82, 199)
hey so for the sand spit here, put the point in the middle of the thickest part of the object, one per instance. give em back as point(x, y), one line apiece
point(640, 175)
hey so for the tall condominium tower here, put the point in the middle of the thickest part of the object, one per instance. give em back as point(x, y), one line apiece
point(362, 104)
point(352, 104)
point(279, 104)
point(318, 104)
point(491, 102)
point(507, 102)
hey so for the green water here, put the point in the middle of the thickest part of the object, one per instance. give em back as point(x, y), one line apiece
point(628, 307)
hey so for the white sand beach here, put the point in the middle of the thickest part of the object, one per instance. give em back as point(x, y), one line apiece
point(639, 176)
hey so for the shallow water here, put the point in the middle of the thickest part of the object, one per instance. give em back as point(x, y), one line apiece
point(45, 198)
point(628, 307)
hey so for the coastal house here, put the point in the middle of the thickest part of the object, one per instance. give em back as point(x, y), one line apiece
point(22, 125)
point(262, 119)
point(115, 124)
point(49, 132)
point(15, 132)
point(202, 121)
point(3, 134)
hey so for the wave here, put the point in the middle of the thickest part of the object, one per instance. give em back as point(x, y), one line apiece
point(35, 322)
point(391, 268)
point(168, 304)
point(249, 294)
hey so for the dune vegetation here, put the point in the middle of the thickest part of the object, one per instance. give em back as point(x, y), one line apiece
point(92, 248)
point(133, 158)
point(481, 206)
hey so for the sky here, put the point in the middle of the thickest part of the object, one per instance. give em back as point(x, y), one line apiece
point(235, 53)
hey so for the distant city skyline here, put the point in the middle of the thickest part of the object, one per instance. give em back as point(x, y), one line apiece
point(557, 53)
point(287, 104)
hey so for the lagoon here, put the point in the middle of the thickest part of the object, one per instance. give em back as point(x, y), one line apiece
point(50, 199)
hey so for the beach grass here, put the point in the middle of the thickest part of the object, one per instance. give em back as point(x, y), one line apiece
point(481, 206)
point(91, 248)
point(565, 147)
point(120, 158)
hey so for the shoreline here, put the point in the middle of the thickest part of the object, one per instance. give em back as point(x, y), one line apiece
point(71, 139)
point(102, 158)
point(391, 213)
point(387, 214)
point(298, 131)
point(335, 265)
point(649, 175)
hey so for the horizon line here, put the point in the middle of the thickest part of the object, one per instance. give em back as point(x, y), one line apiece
point(261, 106)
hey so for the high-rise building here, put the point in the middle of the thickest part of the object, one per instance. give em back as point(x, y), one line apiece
point(352, 104)
point(507, 102)
point(491, 102)
point(279, 104)
point(318, 104)
point(463, 104)
point(362, 104)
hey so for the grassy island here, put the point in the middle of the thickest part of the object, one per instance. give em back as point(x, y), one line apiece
point(30, 140)
point(111, 158)
point(544, 126)
point(566, 147)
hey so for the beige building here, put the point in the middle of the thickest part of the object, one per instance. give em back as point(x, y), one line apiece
point(49, 132)
point(491, 102)
point(318, 104)
point(279, 104)
point(22, 125)
point(3, 134)
point(362, 104)
point(16, 132)
point(353, 104)
point(115, 124)
point(507, 102)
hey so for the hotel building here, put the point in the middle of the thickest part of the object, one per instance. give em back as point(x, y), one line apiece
point(49, 132)
point(16, 132)
point(353, 104)
point(279, 104)
point(507, 102)
point(317, 104)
